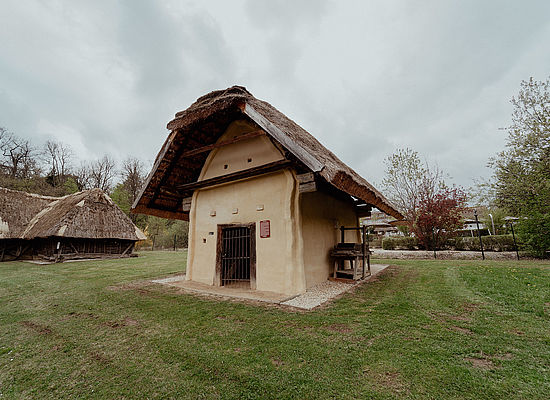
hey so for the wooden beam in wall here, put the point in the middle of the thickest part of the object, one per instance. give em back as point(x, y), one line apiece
point(247, 173)
point(246, 136)
point(186, 204)
point(306, 182)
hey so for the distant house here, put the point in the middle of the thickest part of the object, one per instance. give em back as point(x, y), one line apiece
point(380, 224)
point(82, 225)
point(469, 227)
point(264, 198)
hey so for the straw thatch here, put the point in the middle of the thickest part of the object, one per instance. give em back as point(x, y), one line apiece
point(17, 209)
point(88, 214)
point(206, 120)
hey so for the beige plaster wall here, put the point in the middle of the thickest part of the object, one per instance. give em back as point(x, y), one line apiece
point(274, 197)
point(322, 215)
point(241, 155)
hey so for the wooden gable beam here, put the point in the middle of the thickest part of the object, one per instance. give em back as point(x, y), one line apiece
point(246, 136)
point(247, 173)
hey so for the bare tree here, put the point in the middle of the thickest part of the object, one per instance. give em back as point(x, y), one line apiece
point(407, 178)
point(58, 159)
point(102, 172)
point(132, 177)
point(82, 176)
point(19, 158)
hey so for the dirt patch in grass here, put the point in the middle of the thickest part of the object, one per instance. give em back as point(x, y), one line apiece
point(102, 359)
point(389, 380)
point(460, 329)
point(37, 328)
point(83, 315)
point(340, 328)
point(469, 307)
point(277, 362)
point(481, 363)
point(120, 324)
point(503, 357)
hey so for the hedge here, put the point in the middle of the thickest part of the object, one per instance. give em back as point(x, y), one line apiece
point(490, 243)
point(399, 242)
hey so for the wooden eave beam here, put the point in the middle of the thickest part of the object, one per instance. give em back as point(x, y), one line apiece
point(247, 173)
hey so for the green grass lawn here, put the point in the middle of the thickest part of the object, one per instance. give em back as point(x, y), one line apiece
point(425, 329)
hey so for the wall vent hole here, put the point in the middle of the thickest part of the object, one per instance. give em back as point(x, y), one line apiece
point(249, 160)
point(225, 166)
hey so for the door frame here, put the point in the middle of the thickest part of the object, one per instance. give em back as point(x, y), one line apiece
point(219, 250)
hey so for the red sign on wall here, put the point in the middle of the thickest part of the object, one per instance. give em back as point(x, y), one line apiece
point(265, 230)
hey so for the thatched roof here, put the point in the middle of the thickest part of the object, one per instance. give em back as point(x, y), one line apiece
point(87, 214)
point(206, 120)
point(17, 209)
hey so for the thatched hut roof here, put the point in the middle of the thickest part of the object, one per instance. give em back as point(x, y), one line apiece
point(206, 120)
point(17, 209)
point(88, 214)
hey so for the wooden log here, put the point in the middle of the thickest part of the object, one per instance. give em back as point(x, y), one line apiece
point(186, 204)
point(307, 187)
point(305, 178)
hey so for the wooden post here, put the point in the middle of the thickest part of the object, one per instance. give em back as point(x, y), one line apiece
point(479, 234)
point(175, 236)
point(364, 250)
point(342, 234)
point(433, 239)
point(514, 237)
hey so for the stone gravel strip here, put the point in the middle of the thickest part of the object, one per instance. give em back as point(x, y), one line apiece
point(318, 294)
point(175, 278)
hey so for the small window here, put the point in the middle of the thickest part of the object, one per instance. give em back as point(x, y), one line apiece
point(249, 160)
point(225, 166)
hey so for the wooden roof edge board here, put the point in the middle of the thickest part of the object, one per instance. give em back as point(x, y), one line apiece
point(297, 150)
point(161, 213)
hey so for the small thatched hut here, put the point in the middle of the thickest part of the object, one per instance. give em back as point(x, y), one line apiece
point(264, 198)
point(82, 225)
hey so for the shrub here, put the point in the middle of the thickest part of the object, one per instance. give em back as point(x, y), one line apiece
point(534, 233)
point(375, 241)
point(490, 243)
point(388, 243)
point(399, 242)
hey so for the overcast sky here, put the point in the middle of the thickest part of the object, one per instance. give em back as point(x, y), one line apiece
point(364, 77)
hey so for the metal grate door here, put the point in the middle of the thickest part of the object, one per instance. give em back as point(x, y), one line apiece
point(235, 260)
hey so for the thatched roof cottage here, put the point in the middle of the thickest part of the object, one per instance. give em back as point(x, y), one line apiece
point(86, 224)
point(264, 198)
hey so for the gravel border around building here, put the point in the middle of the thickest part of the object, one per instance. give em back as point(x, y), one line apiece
point(441, 255)
point(313, 297)
point(325, 291)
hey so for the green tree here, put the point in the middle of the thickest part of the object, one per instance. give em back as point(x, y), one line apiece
point(522, 171)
